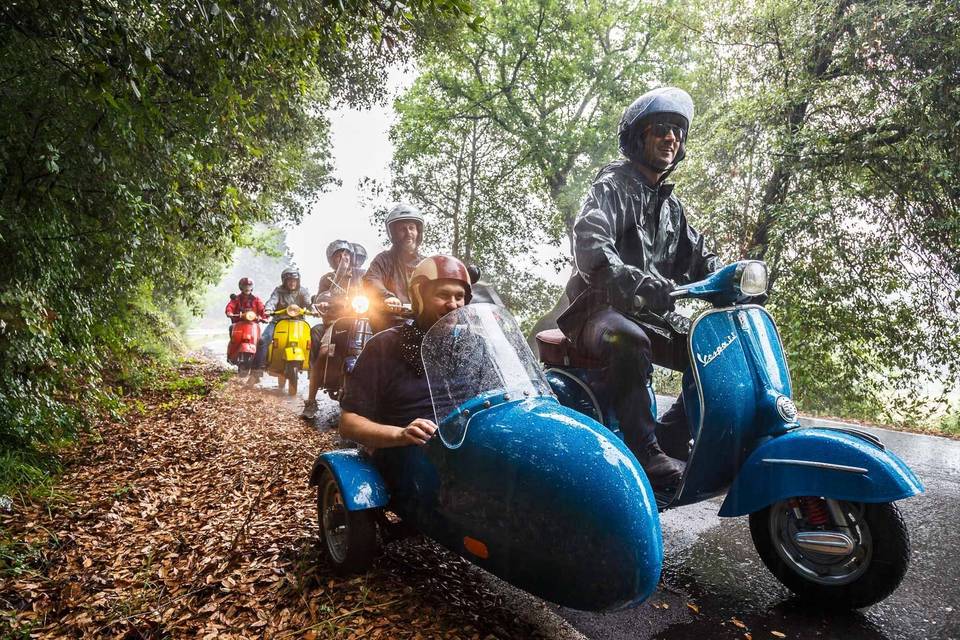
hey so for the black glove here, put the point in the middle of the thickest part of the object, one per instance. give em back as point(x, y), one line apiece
point(654, 294)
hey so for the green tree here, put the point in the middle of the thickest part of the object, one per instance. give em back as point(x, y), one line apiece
point(551, 78)
point(501, 132)
point(138, 144)
point(829, 149)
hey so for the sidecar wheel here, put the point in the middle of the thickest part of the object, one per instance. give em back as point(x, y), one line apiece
point(861, 569)
point(293, 377)
point(349, 537)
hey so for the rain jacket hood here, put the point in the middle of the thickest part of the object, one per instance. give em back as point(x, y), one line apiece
point(626, 232)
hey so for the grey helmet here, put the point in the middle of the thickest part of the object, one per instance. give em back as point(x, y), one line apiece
point(335, 246)
point(402, 212)
point(359, 255)
point(357, 251)
point(669, 101)
point(288, 273)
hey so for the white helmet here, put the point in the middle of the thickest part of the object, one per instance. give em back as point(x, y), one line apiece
point(402, 212)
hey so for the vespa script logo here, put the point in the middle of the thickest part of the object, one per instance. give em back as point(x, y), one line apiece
point(710, 357)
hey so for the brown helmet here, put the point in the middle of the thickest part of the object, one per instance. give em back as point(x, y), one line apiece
point(438, 268)
point(245, 282)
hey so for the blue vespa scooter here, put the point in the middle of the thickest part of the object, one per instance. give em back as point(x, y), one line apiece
point(532, 491)
point(820, 500)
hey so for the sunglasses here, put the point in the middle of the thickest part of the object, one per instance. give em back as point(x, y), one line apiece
point(661, 129)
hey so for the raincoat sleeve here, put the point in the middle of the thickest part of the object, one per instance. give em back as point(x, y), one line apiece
point(231, 307)
point(692, 252)
point(258, 306)
point(376, 276)
point(595, 232)
point(272, 301)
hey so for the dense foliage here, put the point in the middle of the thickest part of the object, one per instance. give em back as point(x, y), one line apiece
point(829, 148)
point(139, 141)
point(502, 131)
point(826, 143)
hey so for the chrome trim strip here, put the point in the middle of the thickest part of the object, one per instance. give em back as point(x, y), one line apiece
point(819, 465)
point(585, 387)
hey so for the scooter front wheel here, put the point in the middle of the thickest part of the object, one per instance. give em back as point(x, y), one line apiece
point(293, 377)
point(835, 553)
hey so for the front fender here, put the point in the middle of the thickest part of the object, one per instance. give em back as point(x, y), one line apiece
point(829, 463)
point(361, 485)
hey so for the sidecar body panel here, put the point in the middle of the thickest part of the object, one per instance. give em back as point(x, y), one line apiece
point(540, 495)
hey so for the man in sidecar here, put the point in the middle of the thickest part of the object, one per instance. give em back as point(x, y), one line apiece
point(289, 292)
point(632, 244)
point(386, 279)
point(387, 400)
point(337, 288)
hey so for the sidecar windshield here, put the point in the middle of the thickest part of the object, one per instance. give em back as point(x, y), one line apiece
point(474, 358)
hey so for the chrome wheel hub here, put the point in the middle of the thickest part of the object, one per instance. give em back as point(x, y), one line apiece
point(835, 554)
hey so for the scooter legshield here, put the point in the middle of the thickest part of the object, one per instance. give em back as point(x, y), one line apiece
point(828, 463)
point(248, 347)
point(739, 370)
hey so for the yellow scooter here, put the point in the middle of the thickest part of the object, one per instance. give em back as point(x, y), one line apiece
point(289, 352)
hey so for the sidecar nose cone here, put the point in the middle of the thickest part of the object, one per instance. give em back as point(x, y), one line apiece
point(563, 507)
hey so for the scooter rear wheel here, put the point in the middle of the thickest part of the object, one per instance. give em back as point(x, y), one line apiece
point(349, 537)
point(848, 565)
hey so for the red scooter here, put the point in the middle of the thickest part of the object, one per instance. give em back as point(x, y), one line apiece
point(244, 336)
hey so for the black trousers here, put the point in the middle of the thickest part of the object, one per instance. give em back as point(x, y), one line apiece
point(631, 350)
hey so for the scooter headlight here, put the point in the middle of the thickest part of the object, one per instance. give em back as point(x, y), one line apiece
point(360, 304)
point(293, 310)
point(249, 316)
point(753, 278)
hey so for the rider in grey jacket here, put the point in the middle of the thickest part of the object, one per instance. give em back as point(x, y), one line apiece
point(289, 292)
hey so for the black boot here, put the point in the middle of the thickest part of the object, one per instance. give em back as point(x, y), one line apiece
point(662, 471)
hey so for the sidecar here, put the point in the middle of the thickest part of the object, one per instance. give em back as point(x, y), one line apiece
point(536, 493)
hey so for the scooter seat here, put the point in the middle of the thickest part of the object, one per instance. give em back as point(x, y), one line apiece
point(557, 351)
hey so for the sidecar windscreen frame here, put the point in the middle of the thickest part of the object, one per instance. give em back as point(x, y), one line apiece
point(475, 358)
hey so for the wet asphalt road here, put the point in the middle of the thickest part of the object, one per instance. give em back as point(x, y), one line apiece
point(710, 563)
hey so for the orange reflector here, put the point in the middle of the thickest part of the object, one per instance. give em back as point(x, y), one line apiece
point(475, 547)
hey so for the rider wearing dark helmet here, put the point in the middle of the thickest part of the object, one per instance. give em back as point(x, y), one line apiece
point(289, 292)
point(386, 402)
point(386, 279)
point(632, 244)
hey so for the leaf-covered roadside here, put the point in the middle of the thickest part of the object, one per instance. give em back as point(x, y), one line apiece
point(194, 519)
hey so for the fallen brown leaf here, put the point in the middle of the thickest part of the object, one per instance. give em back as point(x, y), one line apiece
point(164, 537)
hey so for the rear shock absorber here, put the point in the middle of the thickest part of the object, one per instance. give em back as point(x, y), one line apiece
point(814, 510)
